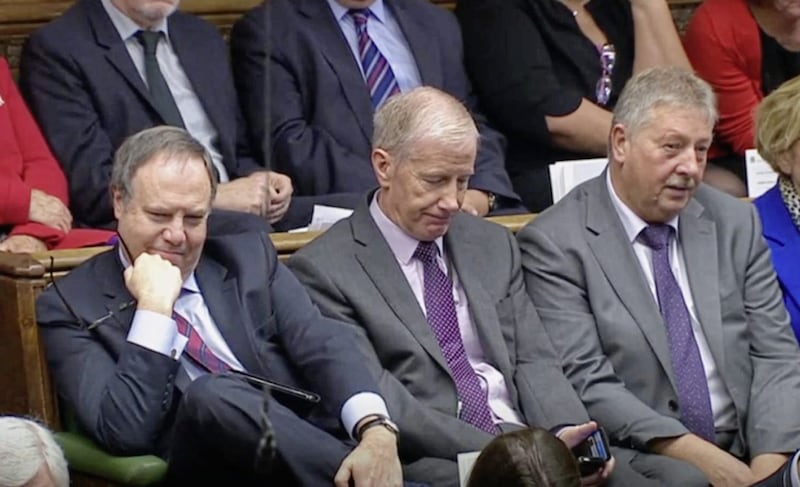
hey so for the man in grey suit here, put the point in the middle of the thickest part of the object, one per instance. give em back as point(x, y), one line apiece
point(659, 293)
point(437, 299)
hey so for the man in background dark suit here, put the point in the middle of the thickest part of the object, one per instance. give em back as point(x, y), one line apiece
point(321, 115)
point(87, 80)
point(142, 340)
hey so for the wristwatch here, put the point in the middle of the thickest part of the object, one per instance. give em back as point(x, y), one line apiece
point(378, 421)
point(492, 201)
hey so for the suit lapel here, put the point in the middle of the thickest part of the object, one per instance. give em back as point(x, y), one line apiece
point(220, 293)
point(698, 239)
point(381, 267)
point(418, 37)
point(334, 48)
point(120, 305)
point(614, 253)
point(471, 269)
point(117, 54)
point(207, 87)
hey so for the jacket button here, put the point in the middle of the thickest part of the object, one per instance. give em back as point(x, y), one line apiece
point(673, 405)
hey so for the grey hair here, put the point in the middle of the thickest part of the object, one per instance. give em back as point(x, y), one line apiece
point(25, 447)
point(143, 147)
point(424, 113)
point(662, 86)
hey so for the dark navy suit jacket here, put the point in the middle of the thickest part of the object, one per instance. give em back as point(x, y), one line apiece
point(783, 239)
point(82, 86)
point(321, 112)
point(125, 396)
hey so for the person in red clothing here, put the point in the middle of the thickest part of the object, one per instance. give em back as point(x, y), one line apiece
point(745, 49)
point(34, 214)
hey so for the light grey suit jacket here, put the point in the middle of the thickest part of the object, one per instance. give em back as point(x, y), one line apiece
point(592, 296)
point(353, 276)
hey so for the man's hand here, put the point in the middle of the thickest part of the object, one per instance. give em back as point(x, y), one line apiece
point(720, 467)
point(766, 464)
point(280, 195)
point(22, 244)
point(154, 282)
point(263, 193)
point(49, 210)
point(373, 463)
point(249, 194)
point(573, 436)
point(476, 202)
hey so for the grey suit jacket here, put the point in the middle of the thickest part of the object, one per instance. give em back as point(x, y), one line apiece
point(353, 276)
point(596, 305)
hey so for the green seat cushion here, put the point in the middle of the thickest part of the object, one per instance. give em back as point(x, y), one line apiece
point(83, 455)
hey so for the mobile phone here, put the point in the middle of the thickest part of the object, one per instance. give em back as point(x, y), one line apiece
point(592, 453)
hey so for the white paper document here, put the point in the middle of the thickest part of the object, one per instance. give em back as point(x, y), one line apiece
point(325, 216)
point(760, 175)
point(465, 462)
point(565, 175)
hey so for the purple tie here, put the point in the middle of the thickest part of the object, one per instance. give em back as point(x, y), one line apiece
point(379, 75)
point(441, 311)
point(693, 395)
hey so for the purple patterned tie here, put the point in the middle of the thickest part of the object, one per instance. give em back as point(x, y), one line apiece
point(693, 395)
point(197, 348)
point(379, 75)
point(441, 311)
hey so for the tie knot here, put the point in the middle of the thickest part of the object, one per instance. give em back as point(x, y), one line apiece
point(656, 236)
point(360, 16)
point(149, 40)
point(426, 252)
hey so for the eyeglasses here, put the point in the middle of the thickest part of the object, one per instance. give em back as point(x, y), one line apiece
point(607, 57)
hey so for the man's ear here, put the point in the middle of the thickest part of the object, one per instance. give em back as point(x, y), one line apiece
point(618, 143)
point(383, 166)
point(117, 201)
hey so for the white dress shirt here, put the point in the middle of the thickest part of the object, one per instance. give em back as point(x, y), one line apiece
point(721, 402)
point(194, 115)
point(159, 333)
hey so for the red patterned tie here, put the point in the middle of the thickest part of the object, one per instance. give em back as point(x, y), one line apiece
point(197, 348)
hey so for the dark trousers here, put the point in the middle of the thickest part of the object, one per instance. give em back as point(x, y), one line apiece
point(218, 427)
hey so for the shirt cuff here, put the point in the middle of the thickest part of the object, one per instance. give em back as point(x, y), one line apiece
point(156, 332)
point(359, 406)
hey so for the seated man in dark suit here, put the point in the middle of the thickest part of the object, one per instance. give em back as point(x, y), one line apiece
point(659, 293)
point(107, 69)
point(437, 299)
point(324, 92)
point(144, 341)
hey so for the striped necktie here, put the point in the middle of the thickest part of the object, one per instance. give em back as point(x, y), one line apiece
point(197, 349)
point(379, 75)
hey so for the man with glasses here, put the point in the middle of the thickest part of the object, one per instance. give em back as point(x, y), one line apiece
point(659, 293)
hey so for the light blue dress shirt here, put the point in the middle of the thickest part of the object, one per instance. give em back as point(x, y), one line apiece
point(387, 36)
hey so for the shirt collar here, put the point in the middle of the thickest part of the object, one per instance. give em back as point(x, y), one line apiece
point(377, 9)
point(402, 244)
point(632, 223)
point(190, 284)
point(125, 26)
